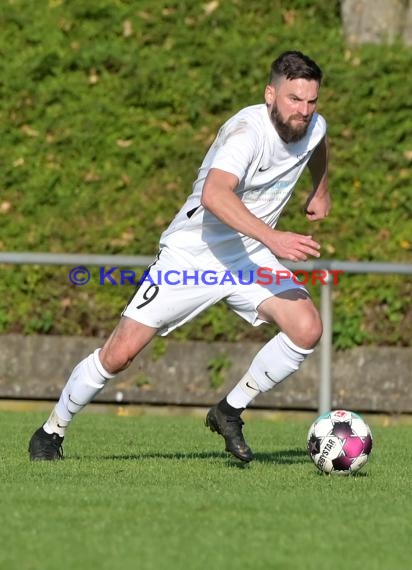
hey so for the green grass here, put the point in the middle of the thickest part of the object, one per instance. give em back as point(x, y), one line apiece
point(157, 492)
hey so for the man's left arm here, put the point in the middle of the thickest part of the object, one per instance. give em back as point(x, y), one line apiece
point(318, 203)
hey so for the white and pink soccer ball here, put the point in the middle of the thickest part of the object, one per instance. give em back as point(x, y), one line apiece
point(339, 442)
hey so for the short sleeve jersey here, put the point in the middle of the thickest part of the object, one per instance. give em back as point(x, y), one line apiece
point(248, 146)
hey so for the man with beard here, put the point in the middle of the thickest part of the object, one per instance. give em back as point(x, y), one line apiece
point(216, 248)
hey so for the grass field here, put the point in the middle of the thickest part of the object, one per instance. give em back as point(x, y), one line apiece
point(157, 492)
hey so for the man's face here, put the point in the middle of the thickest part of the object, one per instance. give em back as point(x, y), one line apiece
point(291, 105)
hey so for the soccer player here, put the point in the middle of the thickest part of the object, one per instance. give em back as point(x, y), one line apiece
point(228, 225)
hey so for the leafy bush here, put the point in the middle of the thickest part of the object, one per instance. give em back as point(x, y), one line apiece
point(108, 108)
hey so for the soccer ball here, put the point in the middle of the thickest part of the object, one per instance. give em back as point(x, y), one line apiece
point(339, 442)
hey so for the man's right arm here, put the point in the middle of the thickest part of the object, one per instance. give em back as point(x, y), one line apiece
point(219, 198)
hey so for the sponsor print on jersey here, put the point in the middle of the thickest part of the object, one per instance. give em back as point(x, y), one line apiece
point(276, 194)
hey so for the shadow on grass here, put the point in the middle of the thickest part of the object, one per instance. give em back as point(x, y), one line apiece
point(337, 475)
point(282, 457)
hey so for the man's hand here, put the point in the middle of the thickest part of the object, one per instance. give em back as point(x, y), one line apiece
point(318, 206)
point(291, 246)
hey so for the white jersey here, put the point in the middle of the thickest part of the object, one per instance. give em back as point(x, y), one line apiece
point(268, 169)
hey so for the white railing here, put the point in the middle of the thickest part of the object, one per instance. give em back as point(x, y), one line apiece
point(326, 302)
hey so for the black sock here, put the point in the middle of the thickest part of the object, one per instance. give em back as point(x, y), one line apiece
point(227, 409)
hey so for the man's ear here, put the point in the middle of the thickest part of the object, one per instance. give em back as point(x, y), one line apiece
point(270, 94)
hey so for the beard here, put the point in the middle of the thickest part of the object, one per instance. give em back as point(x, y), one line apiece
point(285, 129)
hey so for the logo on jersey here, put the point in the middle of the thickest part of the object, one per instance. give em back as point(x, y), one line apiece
point(300, 157)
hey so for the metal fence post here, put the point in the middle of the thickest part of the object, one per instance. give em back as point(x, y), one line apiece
point(326, 309)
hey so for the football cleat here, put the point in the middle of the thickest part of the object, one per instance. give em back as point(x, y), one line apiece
point(45, 447)
point(230, 428)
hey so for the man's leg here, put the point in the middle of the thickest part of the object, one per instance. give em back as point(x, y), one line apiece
point(87, 379)
point(301, 329)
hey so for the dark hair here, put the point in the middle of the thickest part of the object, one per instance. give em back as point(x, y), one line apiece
point(294, 65)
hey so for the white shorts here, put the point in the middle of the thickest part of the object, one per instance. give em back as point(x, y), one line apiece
point(170, 294)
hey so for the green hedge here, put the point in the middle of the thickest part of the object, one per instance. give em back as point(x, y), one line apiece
point(108, 108)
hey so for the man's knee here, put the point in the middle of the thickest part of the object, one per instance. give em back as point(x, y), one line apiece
point(296, 315)
point(115, 360)
point(307, 330)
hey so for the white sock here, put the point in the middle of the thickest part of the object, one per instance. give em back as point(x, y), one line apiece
point(275, 361)
point(85, 382)
point(244, 392)
point(55, 424)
